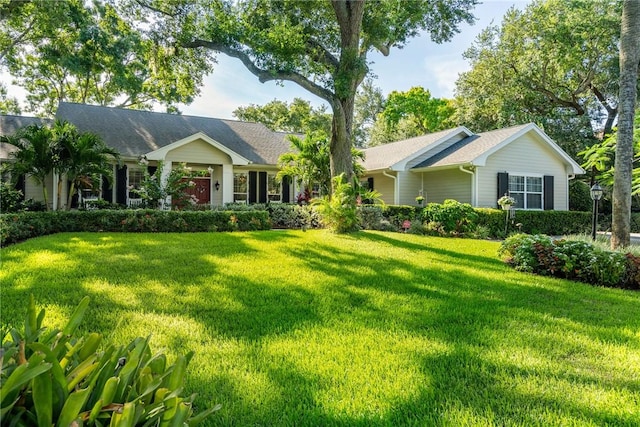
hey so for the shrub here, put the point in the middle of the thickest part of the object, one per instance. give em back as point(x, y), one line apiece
point(25, 225)
point(371, 217)
point(338, 212)
point(11, 199)
point(453, 217)
point(397, 215)
point(284, 215)
point(571, 259)
point(53, 377)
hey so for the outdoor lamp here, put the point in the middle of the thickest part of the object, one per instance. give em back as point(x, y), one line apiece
point(217, 185)
point(596, 195)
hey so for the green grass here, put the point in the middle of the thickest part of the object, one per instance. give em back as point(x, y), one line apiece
point(371, 329)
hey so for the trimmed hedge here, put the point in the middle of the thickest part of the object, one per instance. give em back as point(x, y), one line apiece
point(21, 226)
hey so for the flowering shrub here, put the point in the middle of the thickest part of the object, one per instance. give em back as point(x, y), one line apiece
point(571, 259)
point(153, 191)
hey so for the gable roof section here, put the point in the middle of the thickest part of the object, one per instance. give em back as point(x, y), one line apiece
point(160, 153)
point(396, 155)
point(134, 133)
point(475, 150)
point(10, 124)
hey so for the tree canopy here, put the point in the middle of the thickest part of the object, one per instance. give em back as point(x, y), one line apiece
point(321, 46)
point(554, 63)
point(297, 117)
point(411, 113)
point(85, 52)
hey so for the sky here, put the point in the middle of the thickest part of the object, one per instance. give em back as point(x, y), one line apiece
point(420, 63)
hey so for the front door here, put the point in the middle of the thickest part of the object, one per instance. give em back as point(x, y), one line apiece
point(201, 191)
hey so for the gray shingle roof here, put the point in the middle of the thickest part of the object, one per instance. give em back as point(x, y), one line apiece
point(386, 155)
point(470, 148)
point(10, 124)
point(134, 133)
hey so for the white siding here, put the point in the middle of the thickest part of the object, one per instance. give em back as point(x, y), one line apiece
point(198, 152)
point(447, 184)
point(410, 184)
point(383, 185)
point(527, 155)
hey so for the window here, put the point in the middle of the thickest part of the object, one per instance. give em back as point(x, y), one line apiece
point(527, 190)
point(135, 181)
point(240, 187)
point(274, 188)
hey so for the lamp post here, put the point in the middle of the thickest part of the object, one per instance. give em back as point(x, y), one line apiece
point(596, 195)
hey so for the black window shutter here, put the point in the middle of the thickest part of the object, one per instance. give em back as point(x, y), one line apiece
point(286, 197)
point(262, 187)
point(121, 185)
point(107, 194)
point(370, 180)
point(503, 184)
point(76, 196)
point(253, 187)
point(548, 192)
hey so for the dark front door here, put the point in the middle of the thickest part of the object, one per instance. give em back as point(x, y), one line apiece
point(201, 191)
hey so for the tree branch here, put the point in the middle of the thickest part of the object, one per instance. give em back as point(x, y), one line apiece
point(322, 54)
point(264, 75)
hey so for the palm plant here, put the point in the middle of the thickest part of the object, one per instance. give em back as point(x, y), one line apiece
point(83, 157)
point(309, 161)
point(33, 155)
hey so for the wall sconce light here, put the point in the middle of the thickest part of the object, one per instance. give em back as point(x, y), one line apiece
point(210, 169)
point(217, 185)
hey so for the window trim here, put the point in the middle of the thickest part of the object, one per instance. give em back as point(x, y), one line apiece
point(246, 193)
point(525, 192)
point(271, 175)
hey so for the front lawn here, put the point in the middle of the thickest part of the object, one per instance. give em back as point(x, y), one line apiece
point(315, 329)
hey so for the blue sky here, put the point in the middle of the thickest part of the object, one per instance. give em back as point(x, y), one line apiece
point(420, 63)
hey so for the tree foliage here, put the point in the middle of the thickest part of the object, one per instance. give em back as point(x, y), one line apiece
point(321, 46)
point(84, 52)
point(553, 63)
point(411, 113)
point(298, 116)
point(369, 102)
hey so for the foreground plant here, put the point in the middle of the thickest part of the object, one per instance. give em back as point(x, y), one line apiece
point(52, 377)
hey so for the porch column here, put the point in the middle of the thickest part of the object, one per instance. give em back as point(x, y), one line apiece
point(54, 191)
point(164, 178)
point(227, 183)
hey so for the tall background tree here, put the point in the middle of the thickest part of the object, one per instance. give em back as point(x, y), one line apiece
point(411, 113)
point(629, 58)
point(321, 46)
point(84, 52)
point(297, 117)
point(555, 63)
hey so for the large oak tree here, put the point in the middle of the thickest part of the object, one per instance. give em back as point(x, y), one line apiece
point(320, 45)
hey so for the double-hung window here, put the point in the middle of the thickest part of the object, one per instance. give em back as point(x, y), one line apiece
point(274, 188)
point(527, 190)
point(240, 187)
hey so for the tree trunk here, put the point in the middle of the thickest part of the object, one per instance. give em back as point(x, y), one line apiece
point(341, 160)
point(629, 57)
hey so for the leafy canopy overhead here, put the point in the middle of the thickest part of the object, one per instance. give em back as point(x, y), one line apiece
point(85, 52)
point(553, 63)
point(321, 46)
point(298, 116)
